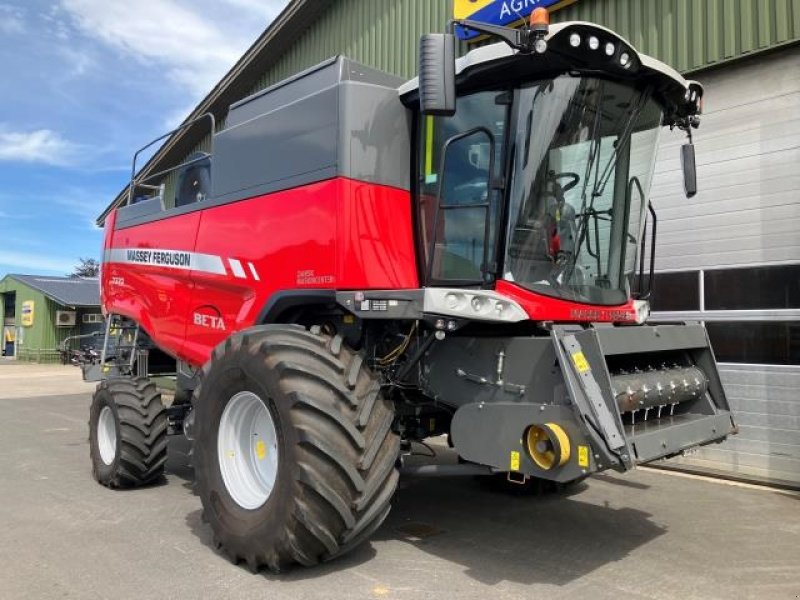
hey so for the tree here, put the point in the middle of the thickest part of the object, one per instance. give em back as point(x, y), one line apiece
point(88, 267)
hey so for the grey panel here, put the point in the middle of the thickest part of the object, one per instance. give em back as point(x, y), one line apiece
point(338, 118)
point(375, 135)
point(286, 142)
point(488, 433)
point(305, 83)
point(134, 212)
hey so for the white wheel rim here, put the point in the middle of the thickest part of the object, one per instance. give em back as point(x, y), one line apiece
point(247, 450)
point(107, 435)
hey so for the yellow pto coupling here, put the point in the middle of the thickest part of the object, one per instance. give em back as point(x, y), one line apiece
point(547, 445)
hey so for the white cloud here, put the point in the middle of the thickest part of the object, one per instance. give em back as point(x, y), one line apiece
point(38, 146)
point(11, 20)
point(196, 43)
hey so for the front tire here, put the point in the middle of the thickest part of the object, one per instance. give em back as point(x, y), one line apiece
point(127, 433)
point(294, 453)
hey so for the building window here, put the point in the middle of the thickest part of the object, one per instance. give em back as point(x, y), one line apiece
point(752, 288)
point(750, 313)
point(756, 342)
point(92, 318)
point(675, 291)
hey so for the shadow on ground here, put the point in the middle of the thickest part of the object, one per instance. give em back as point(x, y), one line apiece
point(554, 538)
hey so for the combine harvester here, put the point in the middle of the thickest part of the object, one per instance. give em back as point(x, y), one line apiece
point(362, 263)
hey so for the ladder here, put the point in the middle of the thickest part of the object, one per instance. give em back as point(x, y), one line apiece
point(120, 348)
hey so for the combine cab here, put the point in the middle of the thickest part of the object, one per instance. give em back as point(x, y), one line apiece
point(362, 263)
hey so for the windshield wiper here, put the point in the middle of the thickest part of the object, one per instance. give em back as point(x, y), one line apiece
point(600, 186)
point(600, 181)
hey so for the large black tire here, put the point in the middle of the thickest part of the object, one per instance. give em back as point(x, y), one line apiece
point(337, 456)
point(140, 424)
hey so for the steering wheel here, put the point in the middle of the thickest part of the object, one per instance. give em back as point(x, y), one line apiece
point(575, 178)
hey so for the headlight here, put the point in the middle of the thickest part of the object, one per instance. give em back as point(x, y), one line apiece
point(478, 305)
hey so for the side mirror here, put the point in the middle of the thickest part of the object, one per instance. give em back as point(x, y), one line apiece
point(689, 170)
point(437, 74)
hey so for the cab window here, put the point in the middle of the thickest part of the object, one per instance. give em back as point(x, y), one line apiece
point(459, 156)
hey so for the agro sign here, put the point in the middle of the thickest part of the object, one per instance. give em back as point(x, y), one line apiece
point(499, 12)
point(27, 313)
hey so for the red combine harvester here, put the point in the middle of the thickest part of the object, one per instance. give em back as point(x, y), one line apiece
point(363, 263)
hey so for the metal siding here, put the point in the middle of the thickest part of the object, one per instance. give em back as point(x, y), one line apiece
point(767, 409)
point(746, 212)
point(748, 149)
point(693, 34)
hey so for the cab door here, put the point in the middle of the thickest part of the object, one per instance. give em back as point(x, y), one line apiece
point(461, 162)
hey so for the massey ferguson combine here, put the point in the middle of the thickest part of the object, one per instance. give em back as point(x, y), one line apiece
point(363, 263)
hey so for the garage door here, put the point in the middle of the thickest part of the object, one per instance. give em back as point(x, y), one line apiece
point(731, 256)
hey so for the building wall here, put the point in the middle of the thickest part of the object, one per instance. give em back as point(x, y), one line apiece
point(39, 342)
point(687, 34)
point(730, 256)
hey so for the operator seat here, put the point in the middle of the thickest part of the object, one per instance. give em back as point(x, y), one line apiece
point(194, 180)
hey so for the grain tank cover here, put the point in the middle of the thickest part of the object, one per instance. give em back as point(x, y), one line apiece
point(337, 119)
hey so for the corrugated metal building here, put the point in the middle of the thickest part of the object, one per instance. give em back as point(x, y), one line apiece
point(729, 257)
point(39, 312)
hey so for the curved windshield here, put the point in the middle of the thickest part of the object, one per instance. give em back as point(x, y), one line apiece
point(583, 163)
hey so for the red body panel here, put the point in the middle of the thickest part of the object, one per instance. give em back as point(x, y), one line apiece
point(335, 234)
point(156, 297)
point(546, 308)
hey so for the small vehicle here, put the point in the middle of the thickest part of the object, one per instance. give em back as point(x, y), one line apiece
point(363, 262)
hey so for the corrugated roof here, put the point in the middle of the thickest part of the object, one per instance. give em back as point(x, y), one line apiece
point(69, 291)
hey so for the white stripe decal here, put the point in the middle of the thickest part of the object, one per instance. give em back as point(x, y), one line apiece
point(169, 259)
point(236, 266)
point(254, 272)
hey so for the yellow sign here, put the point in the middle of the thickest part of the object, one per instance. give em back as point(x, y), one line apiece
point(580, 362)
point(463, 9)
point(583, 456)
point(514, 461)
point(27, 313)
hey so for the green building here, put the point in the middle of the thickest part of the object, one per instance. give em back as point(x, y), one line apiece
point(730, 257)
point(39, 312)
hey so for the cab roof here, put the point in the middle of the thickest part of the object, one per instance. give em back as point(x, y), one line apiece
point(498, 63)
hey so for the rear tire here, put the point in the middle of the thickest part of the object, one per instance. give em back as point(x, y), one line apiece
point(334, 451)
point(127, 433)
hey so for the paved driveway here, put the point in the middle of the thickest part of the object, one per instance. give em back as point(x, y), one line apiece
point(643, 535)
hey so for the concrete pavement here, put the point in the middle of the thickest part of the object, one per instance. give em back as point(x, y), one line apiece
point(641, 535)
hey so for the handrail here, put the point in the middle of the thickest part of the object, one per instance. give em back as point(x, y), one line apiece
point(134, 182)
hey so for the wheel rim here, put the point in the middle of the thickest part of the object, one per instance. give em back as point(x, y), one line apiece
point(107, 435)
point(247, 450)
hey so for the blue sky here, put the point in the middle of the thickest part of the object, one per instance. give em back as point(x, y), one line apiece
point(85, 83)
